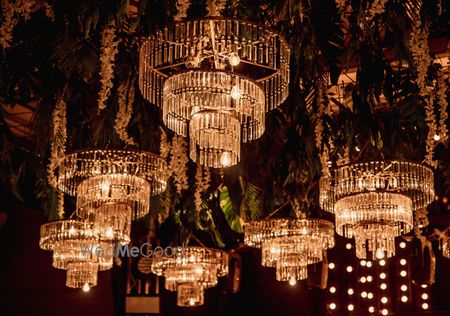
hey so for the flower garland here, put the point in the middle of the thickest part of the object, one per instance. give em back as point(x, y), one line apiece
point(11, 10)
point(441, 96)
point(182, 7)
point(377, 7)
point(124, 113)
point(178, 163)
point(58, 140)
point(202, 183)
point(60, 207)
point(108, 52)
point(430, 119)
point(214, 7)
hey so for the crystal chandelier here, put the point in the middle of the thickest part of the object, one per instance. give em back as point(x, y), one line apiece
point(374, 202)
point(190, 271)
point(290, 245)
point(215, 78)
point(112, 187)
point(74, 244)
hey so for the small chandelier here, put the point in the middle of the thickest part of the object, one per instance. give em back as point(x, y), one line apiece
point(74, 244)
point(112, 187)
point(215, 78)
point(374, 202)
point(290, 245)
point(190, 271)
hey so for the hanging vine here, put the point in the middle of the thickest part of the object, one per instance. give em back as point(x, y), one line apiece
point(124, 112)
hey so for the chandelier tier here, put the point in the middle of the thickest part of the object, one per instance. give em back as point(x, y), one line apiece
point(82, 274)
point(374, 202)
point(290, 245)
point(190, 271)
point(215, 78)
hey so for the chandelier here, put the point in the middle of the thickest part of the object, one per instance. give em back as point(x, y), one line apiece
point(290, 245)
point(74, 245)
point(190, 271)
point(374, 202)
point(215, 78)
point(112, 187)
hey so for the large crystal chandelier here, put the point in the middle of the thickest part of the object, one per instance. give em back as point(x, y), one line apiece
point(374, 202)
point(112, 187)
point(215, 78)
point(190, 271)
point(74, 245)
point(290, 245)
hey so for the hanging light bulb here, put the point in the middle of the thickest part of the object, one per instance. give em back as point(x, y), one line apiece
point(86, 287)
point(437, 137)
point(235, 93)
point(292, 281)
point(225, 159)
point(234, 59)
point(379, 253)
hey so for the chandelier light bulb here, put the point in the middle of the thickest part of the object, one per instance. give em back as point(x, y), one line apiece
point(235, 93)
point(86, 287)
point(234, 59)
point(404, 298)
point(292, 281)
point(379, 253)
point(225, 159)
point(437, 137)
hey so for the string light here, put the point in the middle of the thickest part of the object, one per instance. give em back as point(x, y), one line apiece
point(363, 279)
point(371, 309)
point(382, 275)
point(331, 265)
point(349, 269)
point(350, 307)
point(348, 246)
point(332, 306)
point(370, 295)
point(384, 312)
point(350, 291)
point(364, 294)
point(382, 263)
point(369, 278)
point(424, 296)
point(425, 306)
point(403, 262)
point(404, 288)
point(404, 298)
point(363, 263)
point(424, 286)
point(402, 245)
point(403, 273)
point(332, 289)
point(437, 137)
point(383, 286)
point(384, 300)
point(369, 264)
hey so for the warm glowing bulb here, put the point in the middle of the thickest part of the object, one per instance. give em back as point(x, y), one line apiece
point(424, 286)
point(333, 306)
point(369, 264)
point(403, 262)
point(109, 233)
point(332, 289)
point(384, 300)
point(403, 273)
point(404, 288)
point(72, 230)
point(370, 295)
point(371, 309)
point(350, 307)
point(379, 254)
point(235, 93)
point(225, 160)
point(382, 263)
point(364, 294)
point(382, 275)
point(437, 137)
point(384, 312)
point(425, 305)
point(404, 298)
point(331, 265)
point(383, 286)
point(104, 186)
point(348, 246)
point(363, 279)
point(192, 258)
point(369, 278)
point(402, 244)
point(350, 291)
point(292, 281)
point(349, 269)
point(234, 59)
point(86, 287)
point(424, 296)
point(363, 263)
point(191, 301)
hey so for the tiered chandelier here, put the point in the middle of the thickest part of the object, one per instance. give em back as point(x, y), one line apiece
point(112, 187)
point(190, 271)
point(74, 245)
point(374, 202)
point(290, 245)
point(215, 78)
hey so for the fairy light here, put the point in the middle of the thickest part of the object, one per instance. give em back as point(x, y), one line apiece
point(382, 275)
point(403, 262)
point(369, 264)
point(348, 246)
point(331, 265)
point(370, 295)
point(382, 262)
point(403, 273)
point(363, 279)
point(369, 278)
point(404, 288)
point(363, 263)
point(383, 286)
point(364, 294)
point(404, 298)
point(371, 309)
point(384, 300)
point(402, 245)
point(350, 291)
point(350, 307)
point(332, 289)
point(384, 312)
point(424, 286)
point(332, 306)
point(425, 306)
point(349, 269)
point(424, 296)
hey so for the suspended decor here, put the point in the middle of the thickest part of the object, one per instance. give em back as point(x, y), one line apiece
point(112, 187)
point(374, 202)
point(75, 244)
point(290, 245)
point(190, 271)
point(215, 78)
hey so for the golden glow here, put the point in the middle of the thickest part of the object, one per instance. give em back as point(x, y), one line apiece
point(382, 275)
point(292, 281)
point(369, 264)
point(350, 291)
point(333, 306)
point(403, 262)
point(384, 312)
point(425, 306)
point(363, 279)
point(383, 286)
point(402, 245)
point(349, 269)
point(348, 246)
point(234, 59)
point(363, 263)
point(371, 309)
point(384, 300)
point(369, 278)
point(332, 289)
point(404, 288)
point(364, 294)
point(404, 298)
point(331, 265)
point(86, 287)
point(403, 273)
point(382, 263)
point(350, 307)
point(424, 296)
point(225, 159)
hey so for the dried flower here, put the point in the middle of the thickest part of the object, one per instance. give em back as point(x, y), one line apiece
point(214, 7)
point(182, 7)
point(178, 162)
point(58, 139)
point(12, 11)
point(124, 113)
point(441, 96)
